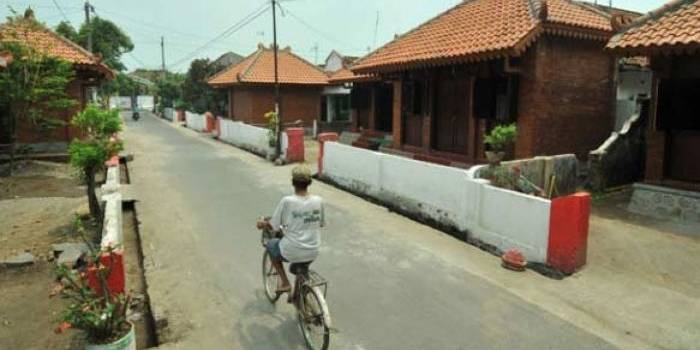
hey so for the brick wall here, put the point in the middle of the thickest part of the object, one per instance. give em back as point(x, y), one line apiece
point(250, 103)
point(28, 132)
point(566, 97)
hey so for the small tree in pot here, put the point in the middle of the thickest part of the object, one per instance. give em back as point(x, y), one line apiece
point(91, 152)
point(498, 140)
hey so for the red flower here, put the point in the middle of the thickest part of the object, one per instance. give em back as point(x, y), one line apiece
point(62, 327)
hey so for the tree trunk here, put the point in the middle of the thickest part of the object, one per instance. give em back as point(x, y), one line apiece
point(95, 210)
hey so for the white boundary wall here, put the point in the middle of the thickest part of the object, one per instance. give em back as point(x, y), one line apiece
point(145, 102)
point(248, 137)
point(195, 121)
point(450, 196)
point(112, 235)
point(169, 113)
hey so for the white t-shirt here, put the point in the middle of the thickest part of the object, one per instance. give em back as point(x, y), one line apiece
point(301, 219)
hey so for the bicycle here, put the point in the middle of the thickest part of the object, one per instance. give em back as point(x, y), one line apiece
point(308, 296)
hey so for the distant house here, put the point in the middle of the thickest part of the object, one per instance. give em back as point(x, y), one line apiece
point(670, 38)
point(89, 73)
point(226, 60)
point(539, 64)
point(335, 103)
point(250, 85)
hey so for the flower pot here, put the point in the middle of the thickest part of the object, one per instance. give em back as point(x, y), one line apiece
point(127, 342)
point(495, 158)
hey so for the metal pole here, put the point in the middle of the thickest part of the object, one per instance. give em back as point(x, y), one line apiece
point(278, 145)
point(162, 55)
point(87, 24)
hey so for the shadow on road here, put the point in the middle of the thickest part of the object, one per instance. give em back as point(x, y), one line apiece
point(262, 325)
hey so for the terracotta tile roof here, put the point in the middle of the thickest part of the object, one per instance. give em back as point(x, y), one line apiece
point(258, 68)
point(673, 26)
point(36, 35)
point(345, 75)
point(482, 29)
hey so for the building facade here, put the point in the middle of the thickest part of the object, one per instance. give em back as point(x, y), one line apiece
point(250, 85)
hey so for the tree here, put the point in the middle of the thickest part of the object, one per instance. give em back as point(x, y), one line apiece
point(197, 92)
point(33, 86)
point(170, 89)
point(90, 153)
point(67, 31)
point(108, 40)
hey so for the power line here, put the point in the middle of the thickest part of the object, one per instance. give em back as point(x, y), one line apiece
point(61, 11)
point(228, 32)
point(320, 32)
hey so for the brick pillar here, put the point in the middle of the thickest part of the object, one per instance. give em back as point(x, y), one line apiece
point(397, 125)
point(322, 139)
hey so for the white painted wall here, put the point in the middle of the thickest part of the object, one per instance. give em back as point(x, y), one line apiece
point(169, 113)
point(451, 196)
point(195, 121)
point(146, 102)
point(112, 235)
point(630, 84)
point(246, 136)
point(334, 62)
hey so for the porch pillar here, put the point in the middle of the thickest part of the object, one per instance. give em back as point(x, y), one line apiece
point(472, 127)
point(656, 139)
point(372, 117)
point(397, 126)
point(427, 118)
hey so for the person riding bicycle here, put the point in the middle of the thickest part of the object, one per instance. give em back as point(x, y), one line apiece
point(299, 217)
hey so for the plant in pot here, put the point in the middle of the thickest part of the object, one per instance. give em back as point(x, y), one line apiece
point(271, 118)
point(498, 140)
point(92, 307)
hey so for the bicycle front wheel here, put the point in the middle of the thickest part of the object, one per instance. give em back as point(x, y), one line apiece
point(270, 278)
point(312, 314)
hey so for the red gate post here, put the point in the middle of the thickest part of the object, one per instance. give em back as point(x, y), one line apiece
point(568, 232)
point(322, 139)
point(295, 145)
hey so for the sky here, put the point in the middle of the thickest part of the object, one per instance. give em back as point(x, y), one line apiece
point(209, 28)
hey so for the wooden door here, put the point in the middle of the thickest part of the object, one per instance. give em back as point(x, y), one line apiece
point(412, 122)
point(451, 117)
point(683, 156)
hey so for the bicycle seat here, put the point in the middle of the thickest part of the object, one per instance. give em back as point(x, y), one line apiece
point(300, 268)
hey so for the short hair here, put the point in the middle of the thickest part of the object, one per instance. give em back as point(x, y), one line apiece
point(301, 184)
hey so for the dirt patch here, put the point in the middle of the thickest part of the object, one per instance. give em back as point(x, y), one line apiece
point(33, 223)
point(27, 315)
point(32, 179)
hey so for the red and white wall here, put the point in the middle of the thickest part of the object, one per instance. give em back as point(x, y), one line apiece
point(546, 231)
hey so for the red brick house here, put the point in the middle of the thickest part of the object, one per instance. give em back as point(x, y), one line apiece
point(670, 37)
point(89, 73)
point(250, 85)
point(540, 64)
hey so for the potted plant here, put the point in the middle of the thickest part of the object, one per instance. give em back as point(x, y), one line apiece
point(498, 140)
point(93, 308)
point(271, 118)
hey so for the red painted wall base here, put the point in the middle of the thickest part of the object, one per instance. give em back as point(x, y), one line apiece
point(568, 232)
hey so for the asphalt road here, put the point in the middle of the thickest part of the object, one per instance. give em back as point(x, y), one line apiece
point(394, 284)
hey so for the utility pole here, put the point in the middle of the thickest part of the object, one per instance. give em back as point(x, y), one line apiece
point(315, 48)
point(88, 8)
point(278, 144)
point(162, 55)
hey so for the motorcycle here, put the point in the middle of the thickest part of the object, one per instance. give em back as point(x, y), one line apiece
point(135, 116)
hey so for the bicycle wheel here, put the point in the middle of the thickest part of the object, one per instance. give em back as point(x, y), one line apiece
point(270, 278)
point(312, 315)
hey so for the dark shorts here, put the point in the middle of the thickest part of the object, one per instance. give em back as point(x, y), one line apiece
point(273, 247)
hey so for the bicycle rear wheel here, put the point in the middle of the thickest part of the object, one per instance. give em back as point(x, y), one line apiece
point(270, 278)
point(311, 313)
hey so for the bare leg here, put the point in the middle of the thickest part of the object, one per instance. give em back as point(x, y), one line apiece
point(286, 286)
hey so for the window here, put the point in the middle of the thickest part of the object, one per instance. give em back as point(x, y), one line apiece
point(342, 108)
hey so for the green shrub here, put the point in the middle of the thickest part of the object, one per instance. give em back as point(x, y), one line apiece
point(501, 137)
